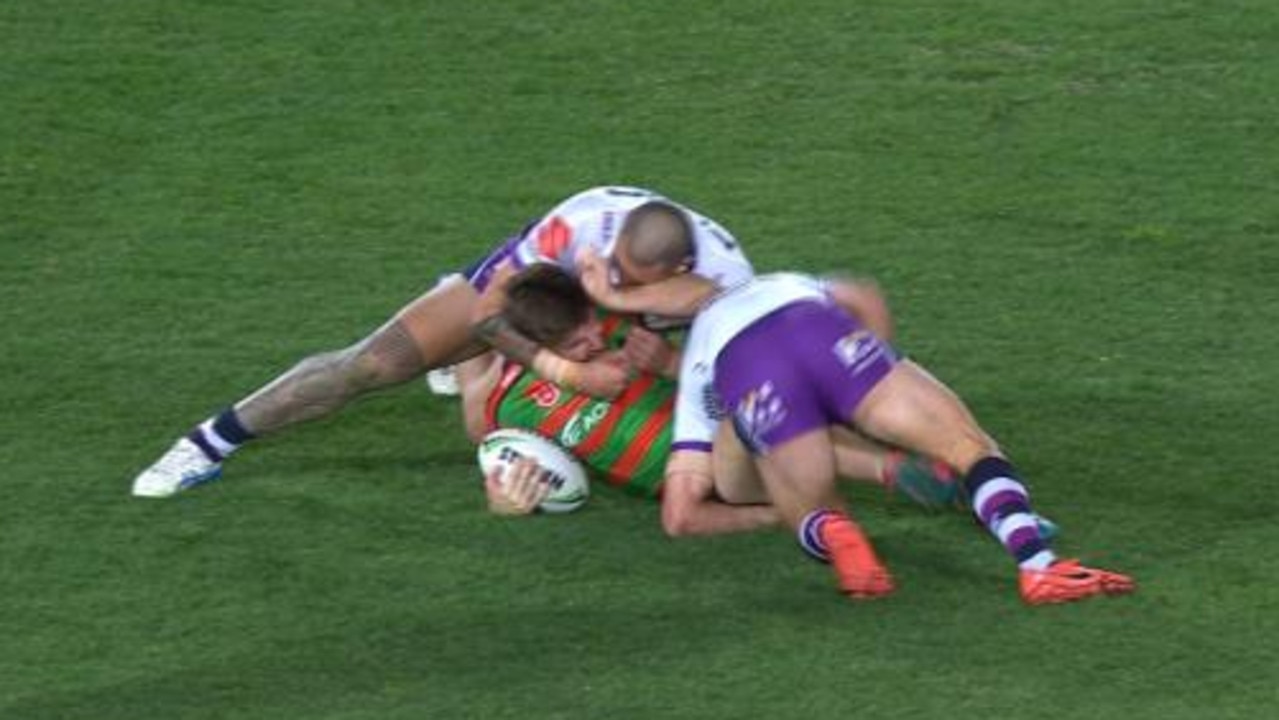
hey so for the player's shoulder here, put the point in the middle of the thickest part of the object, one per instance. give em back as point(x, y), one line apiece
point(592, 216)
point(606, 197)
point(772, 282)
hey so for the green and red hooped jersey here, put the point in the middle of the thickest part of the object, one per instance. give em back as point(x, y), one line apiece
point(625, 440)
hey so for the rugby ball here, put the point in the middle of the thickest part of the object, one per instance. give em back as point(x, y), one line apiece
point(569, 485)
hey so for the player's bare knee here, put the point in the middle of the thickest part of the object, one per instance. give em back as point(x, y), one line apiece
point(388, 357)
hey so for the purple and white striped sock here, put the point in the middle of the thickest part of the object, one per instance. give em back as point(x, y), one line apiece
point(1002, 504)
point(810, 534)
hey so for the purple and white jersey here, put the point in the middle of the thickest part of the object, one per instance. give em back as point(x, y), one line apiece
point(697, 407)
point(593, 218)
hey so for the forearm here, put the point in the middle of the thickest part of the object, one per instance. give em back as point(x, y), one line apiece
point(602, 377)
point(679, 296)
point(690, 508)
point(713, 517)
point(500, 335)
point(477, 378)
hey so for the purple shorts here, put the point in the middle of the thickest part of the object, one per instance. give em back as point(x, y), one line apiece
point(803, 367)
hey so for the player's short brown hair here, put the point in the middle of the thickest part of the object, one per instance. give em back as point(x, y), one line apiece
point(546, 304)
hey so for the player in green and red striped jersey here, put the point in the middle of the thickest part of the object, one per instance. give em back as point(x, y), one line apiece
point(627, 440)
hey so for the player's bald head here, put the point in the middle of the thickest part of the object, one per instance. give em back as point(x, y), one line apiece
point(657, 236)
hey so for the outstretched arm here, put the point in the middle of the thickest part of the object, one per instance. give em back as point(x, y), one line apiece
point(677, 296)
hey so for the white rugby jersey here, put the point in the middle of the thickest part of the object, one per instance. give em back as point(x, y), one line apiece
point(593, 218)
point(697, 407)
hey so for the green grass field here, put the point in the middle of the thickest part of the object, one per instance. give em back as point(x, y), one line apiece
point(1071, 206)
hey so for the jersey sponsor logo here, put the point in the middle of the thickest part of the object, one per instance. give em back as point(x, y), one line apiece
point(543, 394)
point(581, 424)
point(759, 413)
point(554, 238)
point(856, 349)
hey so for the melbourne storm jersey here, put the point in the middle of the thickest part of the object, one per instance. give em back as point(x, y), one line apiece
point(698, 409)
point(593, 218)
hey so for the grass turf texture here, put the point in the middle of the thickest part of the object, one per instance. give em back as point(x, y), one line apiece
point(1070, 205)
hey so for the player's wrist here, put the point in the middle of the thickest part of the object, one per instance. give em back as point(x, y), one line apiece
point(671, 369)
point(558, 370)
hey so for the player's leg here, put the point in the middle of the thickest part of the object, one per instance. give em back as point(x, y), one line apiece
point(799, 475)
point(779, 414)
point(857, 458)
point(914, 477)
point(431, 331)
point(736, 479)
point(912, 409)
point(919, 479)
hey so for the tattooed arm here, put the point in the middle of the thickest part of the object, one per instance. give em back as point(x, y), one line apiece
point(495, 331)
point(489, 326)
point(600, 378)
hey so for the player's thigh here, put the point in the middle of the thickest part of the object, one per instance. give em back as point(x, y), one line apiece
point(799, 474)
point(910, 408)
point(439, 322)
point(737, 480)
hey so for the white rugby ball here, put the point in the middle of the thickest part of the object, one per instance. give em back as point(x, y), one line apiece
point(569, 485)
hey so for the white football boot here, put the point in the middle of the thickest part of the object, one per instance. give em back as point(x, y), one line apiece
point(184, 466)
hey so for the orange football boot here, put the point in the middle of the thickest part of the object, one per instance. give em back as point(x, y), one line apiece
point(1067, 580)
point(858, 570)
